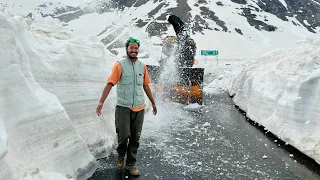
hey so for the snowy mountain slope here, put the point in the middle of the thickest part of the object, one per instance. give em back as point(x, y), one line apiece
point(304, 11)
point(249, 28)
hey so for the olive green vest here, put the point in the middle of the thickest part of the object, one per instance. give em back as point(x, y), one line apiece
point(130, 87)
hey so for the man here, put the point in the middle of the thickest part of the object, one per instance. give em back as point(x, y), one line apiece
point(186, 45)
point(131, 77)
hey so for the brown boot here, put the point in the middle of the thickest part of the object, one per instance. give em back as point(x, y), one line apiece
point(133, 170)
point(120, 162)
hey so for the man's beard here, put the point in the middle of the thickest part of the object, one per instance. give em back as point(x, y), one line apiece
point(131, 56)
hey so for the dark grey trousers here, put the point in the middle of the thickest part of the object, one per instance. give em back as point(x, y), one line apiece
point(128, 127)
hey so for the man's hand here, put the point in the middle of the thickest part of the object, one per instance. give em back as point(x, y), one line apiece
point(149, 94)
point(154, 109)
point(99, 107)
point(104, 95)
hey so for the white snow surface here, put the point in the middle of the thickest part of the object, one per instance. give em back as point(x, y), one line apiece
point(51, 82)
point(118, 25)
point(27, 6)
point(281, 91)
point(284, 3)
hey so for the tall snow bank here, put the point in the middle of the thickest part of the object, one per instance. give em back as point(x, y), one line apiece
point(75, 70)
point(50, 84)
point(281, 91)
point(5, 172)
point(3, 140)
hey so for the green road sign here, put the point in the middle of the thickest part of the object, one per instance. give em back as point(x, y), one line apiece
point(209, 53)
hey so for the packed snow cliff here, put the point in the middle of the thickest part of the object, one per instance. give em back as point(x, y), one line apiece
point(50, 84)
point(281, 91)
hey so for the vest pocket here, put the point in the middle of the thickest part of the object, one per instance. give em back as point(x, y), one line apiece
point(139, 79)
point(121, 96)
point(125, 97)
point(140, 97)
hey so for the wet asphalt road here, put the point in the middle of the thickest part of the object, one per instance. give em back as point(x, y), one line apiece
point(212, 142)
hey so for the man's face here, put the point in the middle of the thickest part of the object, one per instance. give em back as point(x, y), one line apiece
point(133, 50)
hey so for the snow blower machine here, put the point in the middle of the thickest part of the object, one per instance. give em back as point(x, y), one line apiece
point(175, 77)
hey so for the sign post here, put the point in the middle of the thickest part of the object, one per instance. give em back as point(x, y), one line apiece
point(209, 53)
